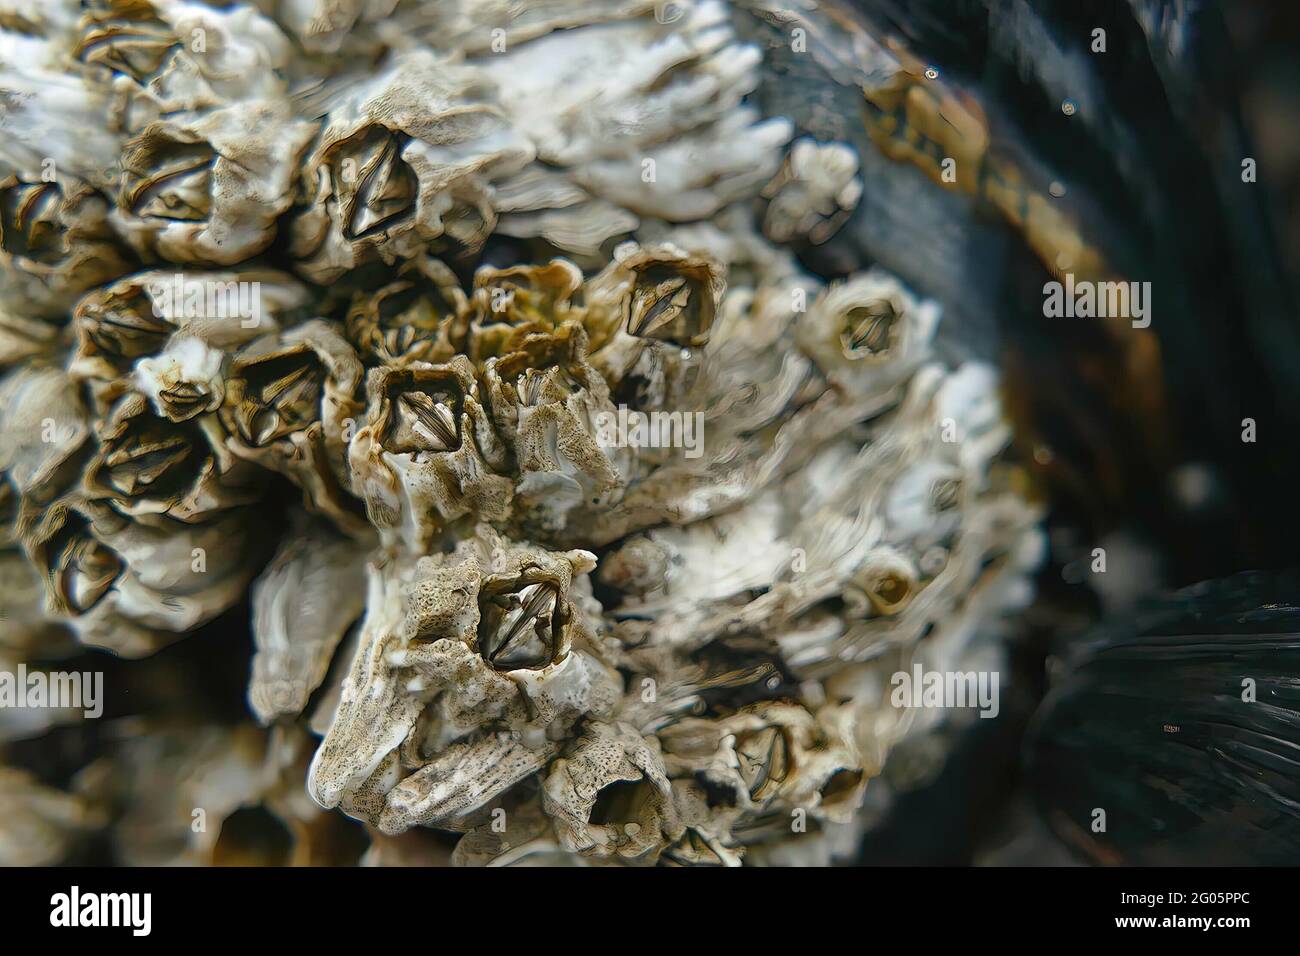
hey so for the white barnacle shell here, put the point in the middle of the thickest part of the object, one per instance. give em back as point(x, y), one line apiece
point(747, 380)
point(650, 313)
point(375, 713)
point(292, 401)
point(243, 53)
point(303, 604)
point(468, 26)
point(494, 725)
point(813, 194)
point(45, 423)
point(136, 317)
point(183, 380)
point(147, 464)
point(549, 404)
point(633, 118)
point(771, 758)
point(884, 583)
point(426, 454)
point(132, 586)
point(968, 398)
point(479, 679)
point(462, 778)
point(53, 120)
point(77, 569)
point(609, 795)
point(868, 334)
point(208, 188)
point(55, 243)
point(169, 56)
point(957, 419)
point(404, 160)
point(674, 294)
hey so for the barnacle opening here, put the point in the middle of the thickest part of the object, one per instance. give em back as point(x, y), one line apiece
point(375, 184)
point(79, 569)
point(126, 39)
point(546, 367)
point(424, 415)
point(401, 314)
point(396, 304)
point(765, 761)
point(520, 626)
point(187, 399)
point(282, 394)
point(122, 323)
point(889, 592)
point(670, 304)
point(151, 456)
point(620, 805)
point(420, 314)
point(178, 184)
point(537, 296)
point(871, 330)
point(842, 785)
point(29, 227)
point(945, 494)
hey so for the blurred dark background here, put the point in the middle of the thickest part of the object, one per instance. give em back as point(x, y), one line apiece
point(980, 808)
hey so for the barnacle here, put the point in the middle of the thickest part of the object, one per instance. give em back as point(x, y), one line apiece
point(555, 491)
point(55, 243)
point(79, 569)
point(403, 160)
point(46, 424)
point(150, 465)
point(674, 295)
point(134, 320)
point(867, 334)
point(183, 380)
point(293, 398)
point(159, 57)
point(420, 315)
point(813, 194)
point(208, 189)
point(426, 453)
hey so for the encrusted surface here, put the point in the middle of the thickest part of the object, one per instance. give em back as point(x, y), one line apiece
point(607, 523)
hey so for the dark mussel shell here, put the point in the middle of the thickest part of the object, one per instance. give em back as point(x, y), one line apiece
point(1182, 724)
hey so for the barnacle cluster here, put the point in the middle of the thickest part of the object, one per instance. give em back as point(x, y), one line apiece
point(609, 522)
